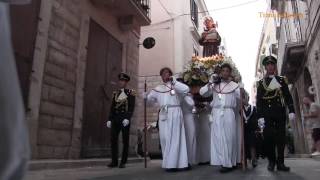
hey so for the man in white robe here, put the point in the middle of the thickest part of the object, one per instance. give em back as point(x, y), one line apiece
point(224, 126)
point(14, 141)
point(171, 126)
point(190, 128)
point(203, 135)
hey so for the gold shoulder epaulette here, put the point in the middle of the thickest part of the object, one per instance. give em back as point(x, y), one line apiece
point(133, 92)
point(285, 79)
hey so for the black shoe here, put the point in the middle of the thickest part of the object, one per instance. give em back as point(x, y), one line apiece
point(282, 167)
point(271, 166)
point(254, 163)
point(171, 170)
point(122, 165)
point(204, 163)
point(112, 165)
point(225, 170)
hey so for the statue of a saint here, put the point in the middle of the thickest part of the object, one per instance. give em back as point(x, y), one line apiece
point(210, 38)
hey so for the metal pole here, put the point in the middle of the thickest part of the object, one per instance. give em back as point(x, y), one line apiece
point(243, 152)
point(145, 125)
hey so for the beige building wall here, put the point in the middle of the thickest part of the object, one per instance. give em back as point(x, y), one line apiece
point(176, 41)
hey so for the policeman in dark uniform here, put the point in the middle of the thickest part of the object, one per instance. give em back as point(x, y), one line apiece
point(273, 97)
point(122, 108)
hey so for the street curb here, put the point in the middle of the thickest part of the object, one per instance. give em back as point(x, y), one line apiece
point(50, 164)
point(298, 156)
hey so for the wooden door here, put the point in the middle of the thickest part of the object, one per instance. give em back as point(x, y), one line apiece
point(103, 64)
point(24, 22)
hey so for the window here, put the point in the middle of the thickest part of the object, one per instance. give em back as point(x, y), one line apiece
point(195, 51)
point(194, 13)
point(296, 20)
point(274, 49)
point(287, 30)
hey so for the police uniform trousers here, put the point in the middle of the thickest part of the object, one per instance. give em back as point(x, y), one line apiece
point(274, 135)
point(116, 128)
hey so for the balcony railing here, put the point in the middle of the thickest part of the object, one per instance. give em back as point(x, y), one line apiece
point(144, 5)
point(139, 9)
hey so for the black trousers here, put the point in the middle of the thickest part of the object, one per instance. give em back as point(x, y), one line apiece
point(275, 137)
point(116, 128)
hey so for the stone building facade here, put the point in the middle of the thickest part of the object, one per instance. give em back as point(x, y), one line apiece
point(298, 36)
point(70, 67)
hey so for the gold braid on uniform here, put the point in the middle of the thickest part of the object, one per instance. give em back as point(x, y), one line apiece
point(277, 92)
point(120, 102)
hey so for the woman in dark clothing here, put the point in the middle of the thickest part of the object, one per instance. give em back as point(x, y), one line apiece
point(250, 130)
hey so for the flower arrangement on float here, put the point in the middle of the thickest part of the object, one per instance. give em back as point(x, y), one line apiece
point(198, 71)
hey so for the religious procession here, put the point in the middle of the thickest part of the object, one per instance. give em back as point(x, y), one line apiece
point(204, 113)
point(159, 89)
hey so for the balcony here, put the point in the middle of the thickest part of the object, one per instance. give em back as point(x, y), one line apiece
point(135, 11)
point(293, 61)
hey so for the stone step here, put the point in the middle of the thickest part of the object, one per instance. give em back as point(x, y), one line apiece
point(50, 164)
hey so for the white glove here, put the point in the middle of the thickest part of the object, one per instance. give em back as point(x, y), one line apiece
point(174, 79)
point(109, 124)
point(261, 123)
point(125, 122)
point(292, 116)
point(213, 78)
point(144, 95)
point(210, 119)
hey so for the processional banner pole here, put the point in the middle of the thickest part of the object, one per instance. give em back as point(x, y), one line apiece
point(243, 152)
point(145, 124)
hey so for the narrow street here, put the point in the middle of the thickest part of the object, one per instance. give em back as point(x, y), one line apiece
point(87, 85)
point(301, 169)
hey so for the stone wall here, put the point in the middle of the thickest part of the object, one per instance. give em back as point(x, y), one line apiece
point(152, 111)
point(59, 81)
point(312, 37)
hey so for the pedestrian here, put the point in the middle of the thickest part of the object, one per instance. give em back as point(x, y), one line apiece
point(121, 111)
point(313, 120)
point(224, 130)
point(171, 124)
point(250, 130)
point(203, 132)
point(188, 107)
point(273, 96)
point(14, 140)
point(139, 149)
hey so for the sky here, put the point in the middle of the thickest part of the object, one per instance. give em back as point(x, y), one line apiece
point(241, 27)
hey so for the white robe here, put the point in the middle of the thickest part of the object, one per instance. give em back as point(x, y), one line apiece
point(189, 124)
point(14, 140)
point(171, 126)
point(224, 125)
point(203, 136)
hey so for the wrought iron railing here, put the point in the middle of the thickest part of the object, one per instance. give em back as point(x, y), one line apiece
point(144, 5)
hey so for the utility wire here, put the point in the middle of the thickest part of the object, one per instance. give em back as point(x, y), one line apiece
point(201, 12)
